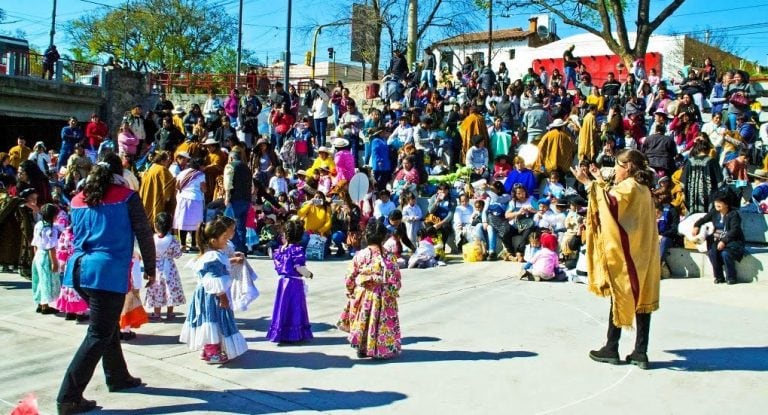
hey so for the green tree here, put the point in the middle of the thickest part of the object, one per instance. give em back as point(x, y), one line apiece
point(606, 19)
point(179, 35)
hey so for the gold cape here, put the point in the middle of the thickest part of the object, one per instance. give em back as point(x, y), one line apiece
point(623, 248)
point(589, 138)
point(556, 150)
point(471, 126)
point(158, 187)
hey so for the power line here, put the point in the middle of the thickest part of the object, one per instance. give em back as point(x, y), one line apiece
point(718, 11)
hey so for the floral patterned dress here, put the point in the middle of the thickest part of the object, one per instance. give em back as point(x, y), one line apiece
point(371, 317)
point(167, 290)
point(69, 300)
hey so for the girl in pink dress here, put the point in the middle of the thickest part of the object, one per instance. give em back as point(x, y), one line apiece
point(69, 301)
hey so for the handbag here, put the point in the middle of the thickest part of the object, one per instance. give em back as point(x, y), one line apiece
point(316, 247)
point(739, 99)
point(523, 223)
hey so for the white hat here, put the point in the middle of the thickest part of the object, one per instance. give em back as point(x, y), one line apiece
point(301, 172)
point(39, 144)
point(210, 142)
point(341, 143)
point(452, 100)
point(178, 110)
point(183, 154)
point(557, 123)
point(261, 141)
point(324, 149)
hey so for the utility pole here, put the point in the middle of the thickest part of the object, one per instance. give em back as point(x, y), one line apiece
point(490, 31)
point(413, 23)
point(53, 23)
point(125, 35)
point(239, 44)
point(287, 62)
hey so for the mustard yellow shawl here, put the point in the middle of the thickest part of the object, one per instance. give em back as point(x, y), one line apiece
point(623, 248)
point(589, 138)
point(556, 150)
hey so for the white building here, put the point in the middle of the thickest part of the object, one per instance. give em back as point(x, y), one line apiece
point(539, 45)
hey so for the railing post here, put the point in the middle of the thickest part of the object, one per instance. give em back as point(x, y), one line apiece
point(103, 78)
point(11, 68)
point(59, 70)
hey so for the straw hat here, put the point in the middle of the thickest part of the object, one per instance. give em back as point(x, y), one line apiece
point(760, 174)
point(210, 142)
point(178, 110)
point(340, 143)
point(557, 123)
point(324, 149)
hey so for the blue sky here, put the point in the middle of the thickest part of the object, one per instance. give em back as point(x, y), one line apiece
point(265, 23)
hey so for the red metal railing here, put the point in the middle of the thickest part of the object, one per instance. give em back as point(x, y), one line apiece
point(201, 83)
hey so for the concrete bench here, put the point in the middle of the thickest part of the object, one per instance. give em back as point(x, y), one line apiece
point(693, 264)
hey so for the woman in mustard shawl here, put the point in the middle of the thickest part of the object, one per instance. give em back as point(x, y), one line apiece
point(622, 251)
point(472, 125)
point(158, 187)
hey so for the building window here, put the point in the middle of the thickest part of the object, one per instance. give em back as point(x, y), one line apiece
point(511, 54)
point(478, 58)
point(447, 60)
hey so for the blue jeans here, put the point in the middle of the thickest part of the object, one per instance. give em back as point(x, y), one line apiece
point(238, 210)
point(428, 76)
point(664, 245)
point(722, 259)
point(570, 76)
point(64, 154)
point(321, 128)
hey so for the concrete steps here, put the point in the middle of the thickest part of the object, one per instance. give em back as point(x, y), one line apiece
point(693, 264)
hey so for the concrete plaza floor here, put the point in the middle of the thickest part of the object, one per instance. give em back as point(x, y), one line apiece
point(476, 341)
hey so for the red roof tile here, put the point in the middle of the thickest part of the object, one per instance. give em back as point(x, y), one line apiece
point(516, 33)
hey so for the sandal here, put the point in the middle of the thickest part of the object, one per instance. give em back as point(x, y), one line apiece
point(170, 316)
point(154, 316)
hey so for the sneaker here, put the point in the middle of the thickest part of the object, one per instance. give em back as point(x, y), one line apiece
point(638, 359)
point(217, 359)
point(492, 256)
point(605, 356)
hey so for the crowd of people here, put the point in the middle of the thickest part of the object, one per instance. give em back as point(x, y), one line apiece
point(471, 163)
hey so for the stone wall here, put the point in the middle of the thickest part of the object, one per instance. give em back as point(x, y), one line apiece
point(124, 90)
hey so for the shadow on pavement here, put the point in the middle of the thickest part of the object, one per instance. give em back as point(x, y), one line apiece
point(268, 359)
point(16, 285)
point(262, 324)
point(152, 339)
point(752, 359)
point(221, 401)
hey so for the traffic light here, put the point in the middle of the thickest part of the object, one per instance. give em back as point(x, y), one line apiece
point(330, 53)
point(308, 59)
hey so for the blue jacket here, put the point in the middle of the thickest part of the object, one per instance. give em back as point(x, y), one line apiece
point(378, 155)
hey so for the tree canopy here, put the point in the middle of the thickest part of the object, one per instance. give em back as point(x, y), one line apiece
point(607, 19)
point(178, 35)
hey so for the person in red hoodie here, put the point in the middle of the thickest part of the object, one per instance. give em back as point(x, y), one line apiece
point(95, 131)
point(283, 121)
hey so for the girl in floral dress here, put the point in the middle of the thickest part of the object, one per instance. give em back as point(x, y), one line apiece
point(45, 269)
point(166, 290)
point(290, 319)
point(69, 301)
point(373, 284)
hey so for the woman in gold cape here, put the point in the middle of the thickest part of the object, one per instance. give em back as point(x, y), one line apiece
point(158, 187)
point(623, 251)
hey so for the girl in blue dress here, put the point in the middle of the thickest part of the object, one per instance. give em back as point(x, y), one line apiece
point(210, 324)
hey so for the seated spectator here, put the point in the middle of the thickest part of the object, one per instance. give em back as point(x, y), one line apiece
point(477, 158)
point(544, 264)
point(383, 206)
point(425, 255)
point(760, 189)
point(520, 175)
point(520, 213)
point(501, 167)
point(465, 219)
point(725, 246)
point(441, 208)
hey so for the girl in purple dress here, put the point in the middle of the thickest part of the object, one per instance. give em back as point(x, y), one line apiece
point(290, 319)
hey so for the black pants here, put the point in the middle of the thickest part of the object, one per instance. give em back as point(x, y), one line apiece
point(519, 247)
point(101, 342)
point(643, 330)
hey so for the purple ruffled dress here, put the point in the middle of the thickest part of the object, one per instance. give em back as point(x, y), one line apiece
point(290, 319)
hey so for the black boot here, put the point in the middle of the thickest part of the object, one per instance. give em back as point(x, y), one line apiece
point(639, 357)
point(610, 352)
